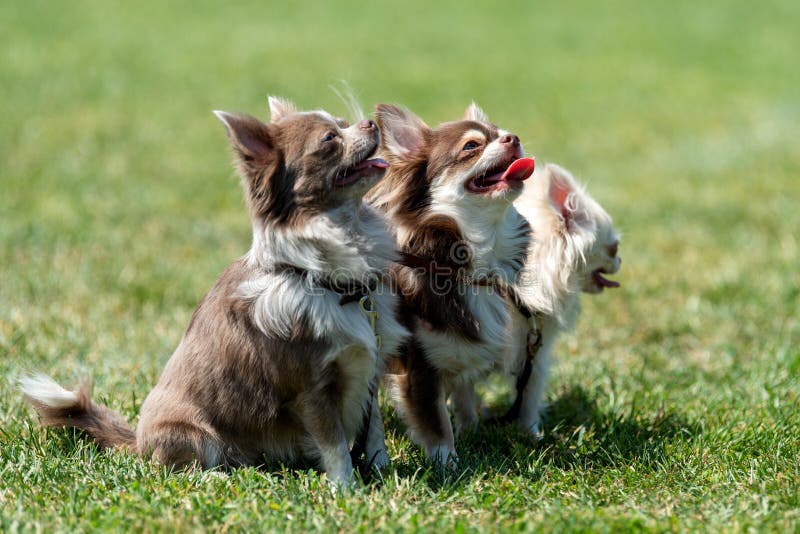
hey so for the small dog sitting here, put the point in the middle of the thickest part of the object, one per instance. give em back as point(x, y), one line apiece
point(448, 194)
point(574, 244)
point(279, 357)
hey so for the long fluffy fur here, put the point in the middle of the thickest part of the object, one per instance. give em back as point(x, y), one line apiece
point(573, 236)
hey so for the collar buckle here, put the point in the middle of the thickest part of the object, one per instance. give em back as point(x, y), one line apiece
point(367, 306)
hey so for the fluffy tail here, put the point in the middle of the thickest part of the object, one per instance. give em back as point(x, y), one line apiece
point(74, 409)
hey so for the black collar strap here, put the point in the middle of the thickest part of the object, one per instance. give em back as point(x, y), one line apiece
point(350, 290)
point(513, 296)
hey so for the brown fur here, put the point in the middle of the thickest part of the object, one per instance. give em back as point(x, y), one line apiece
point(405, 191)
point(439, 258)
point(234, 391)
point(281, 177)
point(107, 428)
point(428, 289)
point(421, 385)
point(234, 397)
point(432, 238)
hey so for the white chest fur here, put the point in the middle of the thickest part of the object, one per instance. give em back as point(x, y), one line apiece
point(464, 360)
point(281, 300)
point(498, 239)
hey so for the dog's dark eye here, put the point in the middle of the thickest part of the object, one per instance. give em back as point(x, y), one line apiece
point(471, 145)
point(330, 136)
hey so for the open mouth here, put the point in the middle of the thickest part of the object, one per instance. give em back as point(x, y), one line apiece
point(601, 281)
point(368, 167)
point(503, 175)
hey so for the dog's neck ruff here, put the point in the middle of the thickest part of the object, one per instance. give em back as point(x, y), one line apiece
point(349, 242)
point(494, 281)
point(349, 290)
point(430, 266)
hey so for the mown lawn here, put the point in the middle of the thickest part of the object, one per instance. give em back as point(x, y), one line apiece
point(674, 406)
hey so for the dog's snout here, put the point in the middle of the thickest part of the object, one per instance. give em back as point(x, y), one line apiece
point(613, 248)
point(367, 124)
point(509, 139)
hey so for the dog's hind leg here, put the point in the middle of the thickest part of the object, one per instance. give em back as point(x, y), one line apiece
point(182, 445)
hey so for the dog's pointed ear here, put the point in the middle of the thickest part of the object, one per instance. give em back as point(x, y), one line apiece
point(250, 138)
point(257, 158)
point(561, 189)
point(279, 108)
point(474, 113)
point(402, 132)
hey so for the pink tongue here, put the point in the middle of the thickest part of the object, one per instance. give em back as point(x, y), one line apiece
point(520, 170)
point(605, 282)
point(375, 162)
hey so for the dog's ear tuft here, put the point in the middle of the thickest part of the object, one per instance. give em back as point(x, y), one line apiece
point(280, 108)
point(561, 192)
point(250, 138)
point(402, 132)
point(474, 113)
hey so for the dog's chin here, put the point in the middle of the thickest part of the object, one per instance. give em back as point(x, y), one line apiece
point(508, 191)
point(354, 182)
point(357, 179)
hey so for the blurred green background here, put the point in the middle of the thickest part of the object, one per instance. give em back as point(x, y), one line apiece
point(675, 402)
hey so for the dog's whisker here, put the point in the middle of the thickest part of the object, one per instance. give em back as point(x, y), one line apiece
point(347, 95)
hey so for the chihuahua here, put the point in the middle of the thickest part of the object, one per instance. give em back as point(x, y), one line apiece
point(279, 358)
point(448, 194)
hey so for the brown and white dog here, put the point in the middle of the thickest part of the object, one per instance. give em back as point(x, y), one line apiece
point(279, 357)
point(448, 194)
point(574, 244)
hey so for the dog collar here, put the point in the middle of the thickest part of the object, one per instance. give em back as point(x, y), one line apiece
point(349, 290)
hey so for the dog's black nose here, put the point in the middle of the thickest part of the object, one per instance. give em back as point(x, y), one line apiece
point(509, 138)
point(366, 124)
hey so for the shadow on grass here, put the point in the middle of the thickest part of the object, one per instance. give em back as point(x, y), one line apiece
point(579, 434)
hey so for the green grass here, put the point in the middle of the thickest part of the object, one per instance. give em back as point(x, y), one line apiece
point(675, 405)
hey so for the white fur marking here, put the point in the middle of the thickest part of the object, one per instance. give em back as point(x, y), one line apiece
point(443, 455)
point(337, 464)
point(45, 390)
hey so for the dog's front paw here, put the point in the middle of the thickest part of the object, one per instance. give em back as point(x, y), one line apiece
point(534, 431)
point(340, 483)
point(379, 460)
point(444, 456)
point(466, 423)
point(215, 475)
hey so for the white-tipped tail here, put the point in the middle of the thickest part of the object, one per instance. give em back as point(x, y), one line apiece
point(45, 390)
point(59, 407)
